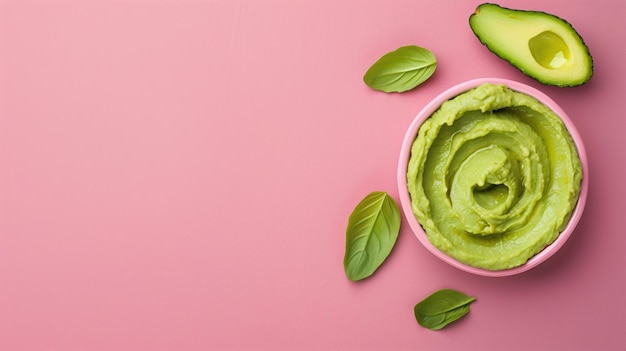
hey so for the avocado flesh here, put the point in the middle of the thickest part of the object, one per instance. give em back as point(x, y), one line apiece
point(542, 46)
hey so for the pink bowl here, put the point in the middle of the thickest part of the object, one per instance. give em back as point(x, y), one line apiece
point(405, 153)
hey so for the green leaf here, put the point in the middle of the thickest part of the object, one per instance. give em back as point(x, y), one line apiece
point(401, 70)
point(372, 231)
point(442, 308)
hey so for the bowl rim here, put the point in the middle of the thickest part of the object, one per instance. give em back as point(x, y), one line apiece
point(405, 153)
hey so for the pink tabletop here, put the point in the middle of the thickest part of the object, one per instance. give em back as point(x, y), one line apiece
point(178, 175)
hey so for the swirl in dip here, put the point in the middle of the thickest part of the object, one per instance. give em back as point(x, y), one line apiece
point(493, 177)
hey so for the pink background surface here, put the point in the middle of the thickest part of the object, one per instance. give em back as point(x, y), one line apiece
point(177, 175)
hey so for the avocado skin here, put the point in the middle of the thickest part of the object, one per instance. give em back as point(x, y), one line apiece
point(521, 69)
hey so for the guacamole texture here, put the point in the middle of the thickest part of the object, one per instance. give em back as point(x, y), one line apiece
point(493, 177)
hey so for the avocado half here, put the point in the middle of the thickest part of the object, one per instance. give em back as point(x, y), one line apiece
point(541, 45)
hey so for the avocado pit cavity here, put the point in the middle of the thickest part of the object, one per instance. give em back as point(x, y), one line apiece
point(549, 50)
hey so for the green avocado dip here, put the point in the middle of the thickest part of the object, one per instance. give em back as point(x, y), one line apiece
point(493, 177)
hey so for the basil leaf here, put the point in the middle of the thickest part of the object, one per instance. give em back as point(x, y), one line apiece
point(372, 231)
point(442, 308)
point(401, 70)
